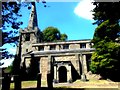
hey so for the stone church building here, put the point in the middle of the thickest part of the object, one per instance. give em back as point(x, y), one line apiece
point(62, 61)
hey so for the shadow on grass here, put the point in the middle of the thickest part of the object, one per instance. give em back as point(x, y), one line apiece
point(46, 88)
point(62, 88)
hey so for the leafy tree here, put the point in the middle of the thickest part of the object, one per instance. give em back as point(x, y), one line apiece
point(105, 11)
point(10, 13)
point(64, 37)
point(53, 34)
point(10, 24)
point(105, 60)
point(106, 30)
point(10, 27)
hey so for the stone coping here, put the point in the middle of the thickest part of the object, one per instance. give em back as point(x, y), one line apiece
point(68, 51)
point(63, 42)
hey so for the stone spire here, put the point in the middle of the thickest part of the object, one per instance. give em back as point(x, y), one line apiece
point(33, 17)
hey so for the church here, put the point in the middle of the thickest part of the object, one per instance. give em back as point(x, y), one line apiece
point(58, 62)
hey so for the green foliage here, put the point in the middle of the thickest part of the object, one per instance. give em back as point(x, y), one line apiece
point(64, 37)
point(105, 60)
point(53, 34)
point(106, 10)
point(8, 69)
point(106, 31)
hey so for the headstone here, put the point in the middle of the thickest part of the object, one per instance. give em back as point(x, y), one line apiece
point(39, 81)
point(6, 82)
point(17, 80)
point(49, 81)
point(83, 77)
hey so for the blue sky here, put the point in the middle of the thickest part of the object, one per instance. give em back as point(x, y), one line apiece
point(62, 15)
point(71, 18)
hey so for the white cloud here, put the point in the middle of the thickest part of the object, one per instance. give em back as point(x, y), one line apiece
point(83, 9)
point(12, 50)
point(7, 62)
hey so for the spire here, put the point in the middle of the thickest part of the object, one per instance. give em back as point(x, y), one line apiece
point(33, 17)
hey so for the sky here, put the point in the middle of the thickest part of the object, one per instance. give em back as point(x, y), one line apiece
point(71, 18)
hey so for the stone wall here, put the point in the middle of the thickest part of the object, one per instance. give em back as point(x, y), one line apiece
point(64, 58)
point(74, 46)
point(43, 64)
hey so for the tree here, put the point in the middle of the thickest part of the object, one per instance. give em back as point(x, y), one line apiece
point(106, 30)
point(53, 34)
point(64, 37)
point(105, 60)
point(105, 11)
point(10, 13)
point(10, 23)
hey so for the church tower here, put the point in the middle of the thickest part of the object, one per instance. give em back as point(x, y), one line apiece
point(29, 35)
point(33, 18)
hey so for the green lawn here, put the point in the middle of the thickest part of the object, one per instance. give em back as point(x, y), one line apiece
point(26, 84)
point(77, 84)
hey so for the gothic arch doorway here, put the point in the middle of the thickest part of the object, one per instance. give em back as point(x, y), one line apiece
point(62, 74)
